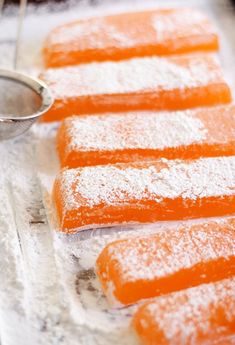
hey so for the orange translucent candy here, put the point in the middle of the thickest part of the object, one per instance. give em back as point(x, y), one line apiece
point(127, 137)
point(136, 84)
point(203, 315)
point(171, 260)
point(126, 35)
point(144, 192)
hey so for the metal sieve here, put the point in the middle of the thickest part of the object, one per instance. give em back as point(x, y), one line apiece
point(23, 99)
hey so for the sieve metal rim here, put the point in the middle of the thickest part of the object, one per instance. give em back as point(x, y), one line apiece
point(36, 85)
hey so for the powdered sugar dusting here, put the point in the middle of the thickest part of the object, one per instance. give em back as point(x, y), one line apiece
point(168, 252)
point(113, 184)
point(89, 32)
point(181, 23)
point(197, 309)
point(73, 33)
point(134, 75)
point(144, 130)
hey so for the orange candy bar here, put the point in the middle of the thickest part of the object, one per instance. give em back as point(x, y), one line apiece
point(137, 84)
point(115, 138)
point(144, 192)
point(171, 260)
point(203, 315)
point(126, 35)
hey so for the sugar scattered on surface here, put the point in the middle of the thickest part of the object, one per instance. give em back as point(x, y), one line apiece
point(137, 74)
point(144, 130)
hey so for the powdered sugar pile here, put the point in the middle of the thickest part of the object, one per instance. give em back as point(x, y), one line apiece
point(134, 75)
point(137, 130)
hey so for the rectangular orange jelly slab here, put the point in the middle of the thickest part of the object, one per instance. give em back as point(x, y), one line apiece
point(126, 35)
point(150, 83)
point(144, 192)
point(203, 315)
point(135, 136)
point(133, 269)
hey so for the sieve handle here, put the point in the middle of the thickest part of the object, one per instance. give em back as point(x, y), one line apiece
point(22, 10)
point(1, 7)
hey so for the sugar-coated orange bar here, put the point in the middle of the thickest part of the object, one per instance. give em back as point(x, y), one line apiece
point(133, 269)
point(144, 192)
point(203, 315)
point(126, 35)
point(137, 84)
point(135, 136)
